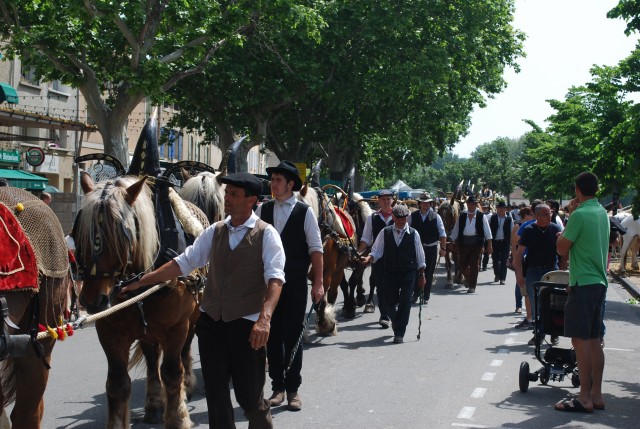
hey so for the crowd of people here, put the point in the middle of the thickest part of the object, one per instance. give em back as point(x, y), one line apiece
point(255, 301)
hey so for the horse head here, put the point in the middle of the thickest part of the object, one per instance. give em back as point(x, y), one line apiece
point(115, 234)
point(206, 192)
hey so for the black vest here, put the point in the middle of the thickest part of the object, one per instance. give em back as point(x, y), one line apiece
point(427, 228)
point(479, 226)
point(399, 258)
point(506, 226)
point(294, 240)
point(377, 225)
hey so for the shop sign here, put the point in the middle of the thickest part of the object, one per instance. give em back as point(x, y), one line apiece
point(51, 165)
point(11, 156)
point(34, 156)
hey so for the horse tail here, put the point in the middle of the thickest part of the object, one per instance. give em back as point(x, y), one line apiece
point(137, 357)
point(8, 382)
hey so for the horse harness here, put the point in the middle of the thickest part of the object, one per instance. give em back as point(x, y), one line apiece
point(345, 244)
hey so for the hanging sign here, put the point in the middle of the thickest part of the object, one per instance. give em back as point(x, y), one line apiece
point(34, 156)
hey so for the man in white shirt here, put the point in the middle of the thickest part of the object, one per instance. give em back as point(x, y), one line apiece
point(245, 279)
point(298, 228)
point(400, 247)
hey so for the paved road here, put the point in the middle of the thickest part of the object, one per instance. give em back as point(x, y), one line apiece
point(463, 372)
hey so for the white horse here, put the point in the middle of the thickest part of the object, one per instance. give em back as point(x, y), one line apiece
point(630, 241)
point(204, 191)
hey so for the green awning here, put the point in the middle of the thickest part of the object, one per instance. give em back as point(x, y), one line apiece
point(24, 180)
point(8, 94)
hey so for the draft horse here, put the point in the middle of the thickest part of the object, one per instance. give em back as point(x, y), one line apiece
point(116, 235)
point(449, 211)
point(24, 378)
point(338, 240)
point(353, 291)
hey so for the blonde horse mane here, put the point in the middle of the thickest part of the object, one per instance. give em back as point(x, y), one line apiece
point(204, 191)
point(312, 198)
point(109, 205)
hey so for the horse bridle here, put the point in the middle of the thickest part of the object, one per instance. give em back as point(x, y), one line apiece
point(97, 247)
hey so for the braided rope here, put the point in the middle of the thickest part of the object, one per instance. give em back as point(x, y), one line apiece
point(91, 319)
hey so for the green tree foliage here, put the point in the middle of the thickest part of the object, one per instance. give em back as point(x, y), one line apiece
point(118, 52)
point(496, 165)
point(391, 80)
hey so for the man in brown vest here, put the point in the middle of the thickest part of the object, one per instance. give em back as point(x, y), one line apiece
point(246, 274)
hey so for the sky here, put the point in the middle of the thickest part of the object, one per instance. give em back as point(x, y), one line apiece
point(565, 38)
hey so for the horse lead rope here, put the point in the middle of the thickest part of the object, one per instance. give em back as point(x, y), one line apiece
point(90, 319)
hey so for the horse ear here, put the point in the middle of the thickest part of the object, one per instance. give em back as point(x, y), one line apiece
point(86, 182)
point(303, 191)
point(134, 190)
point(185, 175)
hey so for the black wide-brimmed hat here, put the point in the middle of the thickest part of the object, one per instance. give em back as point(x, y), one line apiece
point(287, 168)
point(247, 181)
point(501, 205)
point(472, 199)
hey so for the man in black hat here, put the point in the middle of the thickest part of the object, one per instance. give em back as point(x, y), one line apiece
point(372, 227)
point(469, 235)
point(245, 279)
point(501, 226)
point(298, 228)
point(429, 225)
point(486, 210)
point(401, 250)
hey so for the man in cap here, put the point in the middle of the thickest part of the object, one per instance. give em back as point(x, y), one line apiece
point(245, 279)
point(501, 226)
point(469, 235)
point(372, 227)
point(400, 247)
point(298, 228)
point(429, 225)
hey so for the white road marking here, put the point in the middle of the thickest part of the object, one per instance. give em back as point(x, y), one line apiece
point(468, 425)
point(488, 376)
point(496, 362)
point(478, 392)
point(619, 350)
point(509, 341)
point(466, 412)
point(503, 351)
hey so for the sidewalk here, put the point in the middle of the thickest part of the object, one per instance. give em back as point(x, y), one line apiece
point(630, 282)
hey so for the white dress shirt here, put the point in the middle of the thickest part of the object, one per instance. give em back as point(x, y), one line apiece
point(199, 253)
point(378, 246)
point(367, 233)
point(282, 211)
point(470, 226)
point(439, 225)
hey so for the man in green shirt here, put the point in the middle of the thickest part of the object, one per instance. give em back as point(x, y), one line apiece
point(586, 240)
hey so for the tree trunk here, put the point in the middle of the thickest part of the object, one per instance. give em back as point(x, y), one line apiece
point(339, 162)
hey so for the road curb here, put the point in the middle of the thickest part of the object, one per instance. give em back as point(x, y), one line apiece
point(632, 288)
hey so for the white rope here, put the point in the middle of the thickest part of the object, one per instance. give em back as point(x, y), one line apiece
point(91, 319)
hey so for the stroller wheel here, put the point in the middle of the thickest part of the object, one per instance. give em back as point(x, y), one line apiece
point(524, 377)
point(575, 379)
point(544, 375)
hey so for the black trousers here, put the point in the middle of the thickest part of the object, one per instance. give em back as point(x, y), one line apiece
point(287, 323)
point(377, 279)
point(226, 354)
point(499, 257)
point(430, 259)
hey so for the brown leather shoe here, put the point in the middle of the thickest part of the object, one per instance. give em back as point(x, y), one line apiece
point(293, 399)
point(277, 398)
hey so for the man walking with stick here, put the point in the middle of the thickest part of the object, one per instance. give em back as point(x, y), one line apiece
point(400, 247)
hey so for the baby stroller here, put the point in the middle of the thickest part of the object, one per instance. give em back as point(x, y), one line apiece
point(557, 363)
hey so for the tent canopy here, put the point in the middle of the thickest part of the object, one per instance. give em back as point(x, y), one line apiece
point(24, 180)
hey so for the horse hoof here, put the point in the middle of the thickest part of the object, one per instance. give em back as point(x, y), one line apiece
point(360, 300)
point(349, 313)
point(153, 417)
point(369, 308)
